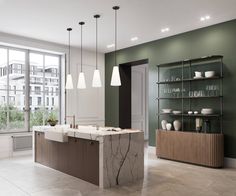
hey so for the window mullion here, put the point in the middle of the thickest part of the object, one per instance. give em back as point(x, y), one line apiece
point(44, 109)
point(7, 106)
point(27, 91)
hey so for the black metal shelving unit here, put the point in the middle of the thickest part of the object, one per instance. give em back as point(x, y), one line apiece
point(190, 64)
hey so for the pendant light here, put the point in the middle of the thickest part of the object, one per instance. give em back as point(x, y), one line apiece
point(96, 75)
point(81, 81)
point(69, 81)
point(115, 78)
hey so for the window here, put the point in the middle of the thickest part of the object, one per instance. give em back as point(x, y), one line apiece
point(30, 101)
point(39, 101)
point(37, 90)
point(44, 68)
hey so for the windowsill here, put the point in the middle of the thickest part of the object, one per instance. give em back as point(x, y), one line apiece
point(14, 132)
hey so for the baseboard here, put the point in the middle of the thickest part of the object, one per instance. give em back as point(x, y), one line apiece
point(152, 149)
point(229, 162)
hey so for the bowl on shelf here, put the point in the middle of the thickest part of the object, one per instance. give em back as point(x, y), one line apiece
point(176, 112)
point(166, 111)
point(207, 111)
point(209, 74)
point(198, 74)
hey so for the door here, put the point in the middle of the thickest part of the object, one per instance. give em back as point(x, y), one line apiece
point(139, 101)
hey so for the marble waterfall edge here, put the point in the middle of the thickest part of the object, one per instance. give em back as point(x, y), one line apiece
point(123, 159)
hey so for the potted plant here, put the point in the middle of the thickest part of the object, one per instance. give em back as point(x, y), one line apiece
point(52, 119)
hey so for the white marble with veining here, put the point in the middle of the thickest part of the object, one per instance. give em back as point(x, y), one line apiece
point(121, 151)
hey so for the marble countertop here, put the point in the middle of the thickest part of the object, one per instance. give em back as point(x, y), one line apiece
point(86, 132)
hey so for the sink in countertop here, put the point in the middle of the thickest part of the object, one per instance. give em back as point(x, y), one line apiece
point(57, 133)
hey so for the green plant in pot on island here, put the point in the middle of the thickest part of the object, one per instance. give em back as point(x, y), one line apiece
point(52, 119)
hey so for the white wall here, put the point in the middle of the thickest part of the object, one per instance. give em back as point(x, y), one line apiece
point(87, 105)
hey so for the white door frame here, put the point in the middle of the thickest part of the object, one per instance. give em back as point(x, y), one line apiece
point(146, 101)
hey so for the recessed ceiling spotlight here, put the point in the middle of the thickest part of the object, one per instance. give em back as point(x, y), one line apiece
point(203, 18)
point(134, 39)
point(110, 45)
point(165, 30)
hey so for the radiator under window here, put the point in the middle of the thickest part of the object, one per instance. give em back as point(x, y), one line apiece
point(22, 142)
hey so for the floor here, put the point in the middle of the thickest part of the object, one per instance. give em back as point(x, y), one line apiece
point(21, 177)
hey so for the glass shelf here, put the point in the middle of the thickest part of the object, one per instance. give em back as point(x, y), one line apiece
point(204, 58)
point(189, 80)
point(200, 97)
point(191, 115)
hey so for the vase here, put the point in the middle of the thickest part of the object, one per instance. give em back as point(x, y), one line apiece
point(163, 124)
point(177, 125)
point(168, 126)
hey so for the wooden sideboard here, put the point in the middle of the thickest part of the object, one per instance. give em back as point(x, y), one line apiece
point(77, 157)
point(190, 147)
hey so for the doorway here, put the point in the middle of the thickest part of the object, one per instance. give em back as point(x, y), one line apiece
point(139, 98)
point(133, 96)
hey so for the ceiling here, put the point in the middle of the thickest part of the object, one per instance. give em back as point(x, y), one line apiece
point(48, 19)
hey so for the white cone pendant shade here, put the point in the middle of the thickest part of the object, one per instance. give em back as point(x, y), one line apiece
point(81, 81)
point(115, 78)
point(96, 79)
point(69, 82)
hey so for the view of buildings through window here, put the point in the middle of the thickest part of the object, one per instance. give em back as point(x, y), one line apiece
point(43, 83)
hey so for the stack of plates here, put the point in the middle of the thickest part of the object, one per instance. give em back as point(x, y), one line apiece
point(166, 111)
point(207, 111)
point(176, 112)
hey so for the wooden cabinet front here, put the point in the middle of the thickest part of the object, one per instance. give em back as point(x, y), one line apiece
point(77, 157)
point(198, 148)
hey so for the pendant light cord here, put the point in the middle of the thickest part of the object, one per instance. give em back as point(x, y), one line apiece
point(96, 43)
point(69, 30)
point(69, 53)
point(81, 47)
point(115, 35)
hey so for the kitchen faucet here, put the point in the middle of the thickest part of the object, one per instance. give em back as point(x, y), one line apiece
point(73, 122)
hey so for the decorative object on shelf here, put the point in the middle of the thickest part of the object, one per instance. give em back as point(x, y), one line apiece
point(198, 74)
point(163, 124)
point(168, 126)
point(173, 92)
point(209, 74)
point(207, 126)
point(198, 124)
point(177, 125)
point(52, 119)
point(207, 111)
point(69, 81)
point(176, 112)
point(177, 79)
point(115, 78)
point(81, 80)
point(190, 112)
point(96, 75)
point(166, 111)
point(212, 90)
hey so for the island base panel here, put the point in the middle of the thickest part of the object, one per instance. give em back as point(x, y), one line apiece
point(77, 157)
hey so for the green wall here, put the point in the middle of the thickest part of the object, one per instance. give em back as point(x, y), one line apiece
point(217, 39)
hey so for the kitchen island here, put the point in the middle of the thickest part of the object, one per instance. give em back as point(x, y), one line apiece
point(103, 156)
